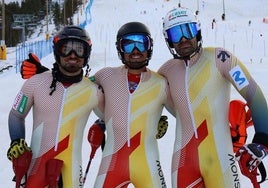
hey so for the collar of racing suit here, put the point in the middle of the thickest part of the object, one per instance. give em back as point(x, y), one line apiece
point(58, 76)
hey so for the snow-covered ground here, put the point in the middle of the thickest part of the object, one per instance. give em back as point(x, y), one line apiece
point(248, 41)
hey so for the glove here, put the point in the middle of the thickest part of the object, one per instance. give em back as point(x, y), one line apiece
point(250, 156)
point(162, 127)
point(31, 66)
point(17, 148)
point(20, 155)
point(96, 136)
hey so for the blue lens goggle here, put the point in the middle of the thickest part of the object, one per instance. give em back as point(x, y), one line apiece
point(187, 30)
point(139, 41)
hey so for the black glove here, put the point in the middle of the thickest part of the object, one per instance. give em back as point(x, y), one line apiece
point(31, 66)
point(162, 127)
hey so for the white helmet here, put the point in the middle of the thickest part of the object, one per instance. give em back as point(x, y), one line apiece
point(179, 16)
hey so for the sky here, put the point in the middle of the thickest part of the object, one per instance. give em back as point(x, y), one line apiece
point(248, 42)
point(9, 1)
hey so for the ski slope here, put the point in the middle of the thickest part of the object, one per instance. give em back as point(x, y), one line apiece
point(248, 42)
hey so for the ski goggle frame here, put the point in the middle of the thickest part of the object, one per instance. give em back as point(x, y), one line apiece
point(66, 47)
point(187, 30)
point(141, 42)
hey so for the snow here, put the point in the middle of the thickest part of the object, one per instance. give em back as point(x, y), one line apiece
point(248, 42)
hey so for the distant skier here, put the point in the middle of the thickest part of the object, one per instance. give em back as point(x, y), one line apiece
point(200, 81)
point(213, 23)
point(61, 101)
point(223, 17)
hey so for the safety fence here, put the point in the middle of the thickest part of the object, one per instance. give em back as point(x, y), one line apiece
point(40, 48)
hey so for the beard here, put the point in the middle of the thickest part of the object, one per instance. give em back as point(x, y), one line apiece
point(136, 65)
point(71, 68)
point(186, 51)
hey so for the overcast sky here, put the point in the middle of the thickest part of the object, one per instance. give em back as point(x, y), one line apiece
point(8, 1)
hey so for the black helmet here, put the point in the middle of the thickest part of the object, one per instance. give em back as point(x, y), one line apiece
point(133, 28)
point(74, 33)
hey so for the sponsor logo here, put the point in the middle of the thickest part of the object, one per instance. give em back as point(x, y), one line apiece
point(238, 77)
point(176, 14)
point(223, 56)
point(234, 170)
point(20, 102)
point(161, 175)
point(81, 178)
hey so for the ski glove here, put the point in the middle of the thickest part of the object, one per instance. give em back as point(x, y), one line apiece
point(17, 148)
point(20, 155)
point(250, 158)
point(31, 66)
point(162, 127)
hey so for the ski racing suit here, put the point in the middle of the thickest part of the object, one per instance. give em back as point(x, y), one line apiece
point(200, 89)
point(58, 125)
point(131, 151)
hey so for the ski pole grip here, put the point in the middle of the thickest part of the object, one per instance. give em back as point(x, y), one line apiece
point(95, 137)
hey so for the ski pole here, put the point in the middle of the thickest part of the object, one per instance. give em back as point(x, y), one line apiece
point(88, 164)
point(95, 137)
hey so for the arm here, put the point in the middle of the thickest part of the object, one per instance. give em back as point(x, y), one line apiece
point(237, 74)
point(250, 155)
point(19, 152)
point(16, 126)
point(20, 108)
point(252, 93)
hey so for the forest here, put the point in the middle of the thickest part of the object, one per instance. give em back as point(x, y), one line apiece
point(29, 13)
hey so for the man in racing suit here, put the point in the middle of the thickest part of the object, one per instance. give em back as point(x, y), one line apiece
point(199, 80)
point(61, 102)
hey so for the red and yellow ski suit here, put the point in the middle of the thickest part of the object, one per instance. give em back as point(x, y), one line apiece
point(131, 152)
point(200, 89)
point(58, 125)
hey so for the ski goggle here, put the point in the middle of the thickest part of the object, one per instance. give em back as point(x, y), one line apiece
point(140, 41)
point(187, 30)
point(79, 48)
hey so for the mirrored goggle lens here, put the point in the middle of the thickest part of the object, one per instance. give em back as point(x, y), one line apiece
point(68, 47)
point(141, 42)
point(188, 30)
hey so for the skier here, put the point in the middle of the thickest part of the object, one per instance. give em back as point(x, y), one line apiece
point(134, 99)
point(200, 80)
point(61, 101)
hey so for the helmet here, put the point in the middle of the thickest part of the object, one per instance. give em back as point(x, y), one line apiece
point(133, 28)
point(179, 16)
point(73, 33)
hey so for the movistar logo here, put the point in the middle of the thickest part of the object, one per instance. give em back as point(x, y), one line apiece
point(238, 77)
